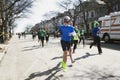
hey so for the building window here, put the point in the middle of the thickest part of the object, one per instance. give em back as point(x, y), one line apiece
point(118, 7)
point(92, 14)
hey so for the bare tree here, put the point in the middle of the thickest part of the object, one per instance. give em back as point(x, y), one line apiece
point(85, 7)
point(11, 10)
point(65, 4)
point(110, 4)
point(50, 14)
point(28, 28)
point(70, 4)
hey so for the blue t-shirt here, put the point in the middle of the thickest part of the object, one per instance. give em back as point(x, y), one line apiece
point(95, 31)
point(65, 32)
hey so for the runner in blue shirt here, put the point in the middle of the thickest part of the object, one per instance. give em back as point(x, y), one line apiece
point(67, 31)
point(96, 37)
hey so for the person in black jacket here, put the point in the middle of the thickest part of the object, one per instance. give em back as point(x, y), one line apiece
point(96, 37)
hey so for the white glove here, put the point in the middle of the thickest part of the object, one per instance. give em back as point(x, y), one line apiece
point(72, 34)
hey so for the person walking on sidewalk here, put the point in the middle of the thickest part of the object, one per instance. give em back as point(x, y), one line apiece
point(96, 37)
point(66, 31)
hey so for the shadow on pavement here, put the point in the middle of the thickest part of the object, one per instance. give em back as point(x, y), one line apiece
point(82, 57)
point(96, 74)
point(85, 56)
point(112, 45)
point(115, 45)
point(57, 58)
point(30, 48)
point(50, 72)
point(22, 41)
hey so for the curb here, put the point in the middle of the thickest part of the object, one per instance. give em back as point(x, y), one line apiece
point(2, 54)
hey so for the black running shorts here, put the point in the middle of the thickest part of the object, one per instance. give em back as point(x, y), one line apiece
point(65, 45)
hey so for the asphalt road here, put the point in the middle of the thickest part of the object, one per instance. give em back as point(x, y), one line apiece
point(27, 60)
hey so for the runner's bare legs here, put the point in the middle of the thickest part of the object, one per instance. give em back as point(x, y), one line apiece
point(65, 56)
point(70, 54)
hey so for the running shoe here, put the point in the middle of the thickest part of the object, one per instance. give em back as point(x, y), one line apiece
point(63, 65)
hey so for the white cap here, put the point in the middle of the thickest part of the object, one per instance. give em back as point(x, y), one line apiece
point(66, 19)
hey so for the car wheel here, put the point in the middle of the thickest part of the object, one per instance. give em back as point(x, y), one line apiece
point(106, 38)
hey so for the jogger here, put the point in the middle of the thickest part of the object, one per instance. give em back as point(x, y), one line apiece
point(66, 31)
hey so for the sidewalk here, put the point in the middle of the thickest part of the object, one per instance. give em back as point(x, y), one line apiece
point(3, 50)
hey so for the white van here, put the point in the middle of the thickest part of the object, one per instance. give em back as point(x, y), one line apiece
point(110, 27)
